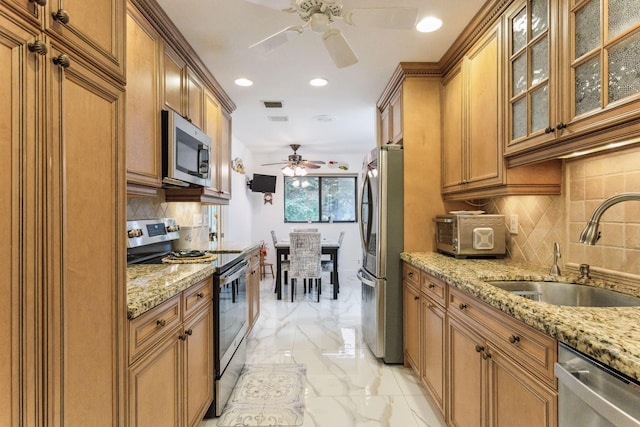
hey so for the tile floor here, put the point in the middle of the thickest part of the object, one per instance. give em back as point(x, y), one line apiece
point(346, 385)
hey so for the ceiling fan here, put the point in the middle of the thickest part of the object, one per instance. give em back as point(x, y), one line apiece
point(296, 165)
point(319, 14)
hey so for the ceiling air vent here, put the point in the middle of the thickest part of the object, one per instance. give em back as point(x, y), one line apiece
point(272, 104)
point(278, 118)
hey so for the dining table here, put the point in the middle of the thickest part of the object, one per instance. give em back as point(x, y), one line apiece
point(329, 247)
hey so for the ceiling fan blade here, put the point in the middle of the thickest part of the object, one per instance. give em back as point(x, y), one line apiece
point(398, 18)
point(285, 5)
point(277, 163)
point(278, 39)
point(338, 48)
point(309, 165)
point(317, 162)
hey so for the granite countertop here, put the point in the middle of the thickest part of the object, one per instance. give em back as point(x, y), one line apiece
point(609, 335)
point(149, 285)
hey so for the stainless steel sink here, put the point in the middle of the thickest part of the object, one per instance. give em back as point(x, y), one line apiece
point(572, 294)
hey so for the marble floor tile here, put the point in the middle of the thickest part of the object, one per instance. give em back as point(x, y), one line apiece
point(346, 385)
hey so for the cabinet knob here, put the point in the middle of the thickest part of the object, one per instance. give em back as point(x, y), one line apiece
point(410, 274)
point(549, 130)
point(431, 286)
point(561, 125)
point(61, 16)
point(189, 332)
point(182, 337)
point(38, 47)
point(62, 60)
point(161, 322)
point(485, 355)
point(200, 294)
point(462, 306)
point(514, 339)
point(416, 298)
point(479, 348)
point(39, 2)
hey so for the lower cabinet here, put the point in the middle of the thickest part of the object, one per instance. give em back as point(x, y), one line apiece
point(171, 369)
point(480, 366)
point(253, 287)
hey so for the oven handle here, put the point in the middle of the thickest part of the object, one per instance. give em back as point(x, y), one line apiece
point(602, 406)
point(232, 275)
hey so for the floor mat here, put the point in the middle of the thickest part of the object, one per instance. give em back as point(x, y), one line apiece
point(267, 395)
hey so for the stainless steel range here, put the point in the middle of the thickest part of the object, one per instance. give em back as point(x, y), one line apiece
point(150, 242)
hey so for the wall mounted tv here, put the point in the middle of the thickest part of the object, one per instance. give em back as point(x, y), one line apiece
point(263, 183)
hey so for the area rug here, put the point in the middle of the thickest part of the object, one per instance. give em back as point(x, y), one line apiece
point(267, 395)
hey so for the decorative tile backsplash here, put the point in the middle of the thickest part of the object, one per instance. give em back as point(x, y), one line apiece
point(186, 214)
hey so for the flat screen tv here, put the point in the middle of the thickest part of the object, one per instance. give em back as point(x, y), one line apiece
point(263, 183)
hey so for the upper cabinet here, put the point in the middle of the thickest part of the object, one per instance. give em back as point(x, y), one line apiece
point(390, 121)
point(174, 70)
point(472, 130)
point(572, 81)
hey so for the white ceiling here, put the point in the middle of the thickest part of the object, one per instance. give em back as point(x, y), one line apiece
point(220, 31)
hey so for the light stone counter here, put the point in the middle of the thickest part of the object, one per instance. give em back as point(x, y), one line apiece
point(149, 285)
point(610, 335)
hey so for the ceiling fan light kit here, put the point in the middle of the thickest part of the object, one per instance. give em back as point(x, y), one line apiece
point(320, 14)
point(296, 165)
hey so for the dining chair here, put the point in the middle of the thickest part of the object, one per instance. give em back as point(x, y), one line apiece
point(305, 230)
point(284, 264)
point(305, 260)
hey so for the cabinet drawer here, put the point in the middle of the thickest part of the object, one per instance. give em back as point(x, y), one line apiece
point(535, 351)
point(434, 288)
point(411, 274)
point(196, 296)
point(146, 330)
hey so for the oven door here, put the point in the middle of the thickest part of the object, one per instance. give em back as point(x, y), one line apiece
point(231, 314)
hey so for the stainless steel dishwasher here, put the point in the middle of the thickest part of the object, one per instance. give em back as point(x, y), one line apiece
point(591, 394)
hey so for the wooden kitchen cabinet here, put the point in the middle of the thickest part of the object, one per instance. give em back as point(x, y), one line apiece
point(411, 320)
point(253, 288)
point(143, 127)
point(224, 157)
point(472, 149)
point(171, 371)
point(194, 99)
point(183, 90)
point(492, 356)
point(576, 91)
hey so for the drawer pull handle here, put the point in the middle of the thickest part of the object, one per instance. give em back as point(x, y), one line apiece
point(161, 322)
point(182, 337)
point(61, 16)
point(189, 332)
point(200, 294)
point(38, 47)
point(416, 298)
point(62, 60)
point(479, 348)
point(410, 274)
point(485, 355)
point(514, 339)
point(462, 306)
point(431, 286)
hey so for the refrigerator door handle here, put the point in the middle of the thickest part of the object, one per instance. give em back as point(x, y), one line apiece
point(361, 276)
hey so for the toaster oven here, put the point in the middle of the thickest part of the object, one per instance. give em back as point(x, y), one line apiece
point(468, 236)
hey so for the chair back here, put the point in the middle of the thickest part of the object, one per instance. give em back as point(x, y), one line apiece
point(305, 230)
point(273, 236)
point(305, 255)
point(340, 238)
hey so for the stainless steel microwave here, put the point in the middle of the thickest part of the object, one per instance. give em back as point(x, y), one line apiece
point(186, 151)
point(470, 236)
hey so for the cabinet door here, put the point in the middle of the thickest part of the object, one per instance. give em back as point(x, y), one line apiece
point(85, 264)
point(433, 350)
point(411, 321)
point(212, 123)
point(198, 365)
point(531, 86)
point(452, 131)
point(224, 163)
point(155, 386)
point(385, 126)
point(600, 73)
point(173, 80)
point(144, 164)
point(466, 376)
point(29, 10)
point(195, 99)
point(396, 117)
point(93, 29)
point(483, 154)
point(515, 398)
point(20, 218)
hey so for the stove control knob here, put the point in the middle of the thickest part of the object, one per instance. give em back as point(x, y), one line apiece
point(173, 228)
point(136, 232)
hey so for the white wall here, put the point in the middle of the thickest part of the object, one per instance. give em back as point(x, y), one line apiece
point(248, 218)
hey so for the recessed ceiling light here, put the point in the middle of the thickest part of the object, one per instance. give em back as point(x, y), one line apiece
point(429, 24)
point(243, 82)
point(318, 82)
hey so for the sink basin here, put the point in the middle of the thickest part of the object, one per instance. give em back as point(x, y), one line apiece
point(572, 294)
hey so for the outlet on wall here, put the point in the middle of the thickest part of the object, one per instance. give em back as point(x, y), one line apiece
point(513, 226)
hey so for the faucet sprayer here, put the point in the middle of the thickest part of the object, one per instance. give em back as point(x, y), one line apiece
point(590, 234)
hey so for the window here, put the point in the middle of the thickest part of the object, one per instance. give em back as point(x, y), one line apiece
point(320, 199)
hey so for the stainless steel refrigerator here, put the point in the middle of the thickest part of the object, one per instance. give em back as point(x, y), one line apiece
point(382, 237)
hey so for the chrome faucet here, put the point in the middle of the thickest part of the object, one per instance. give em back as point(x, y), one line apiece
point(590, 234)
point(555, 269)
